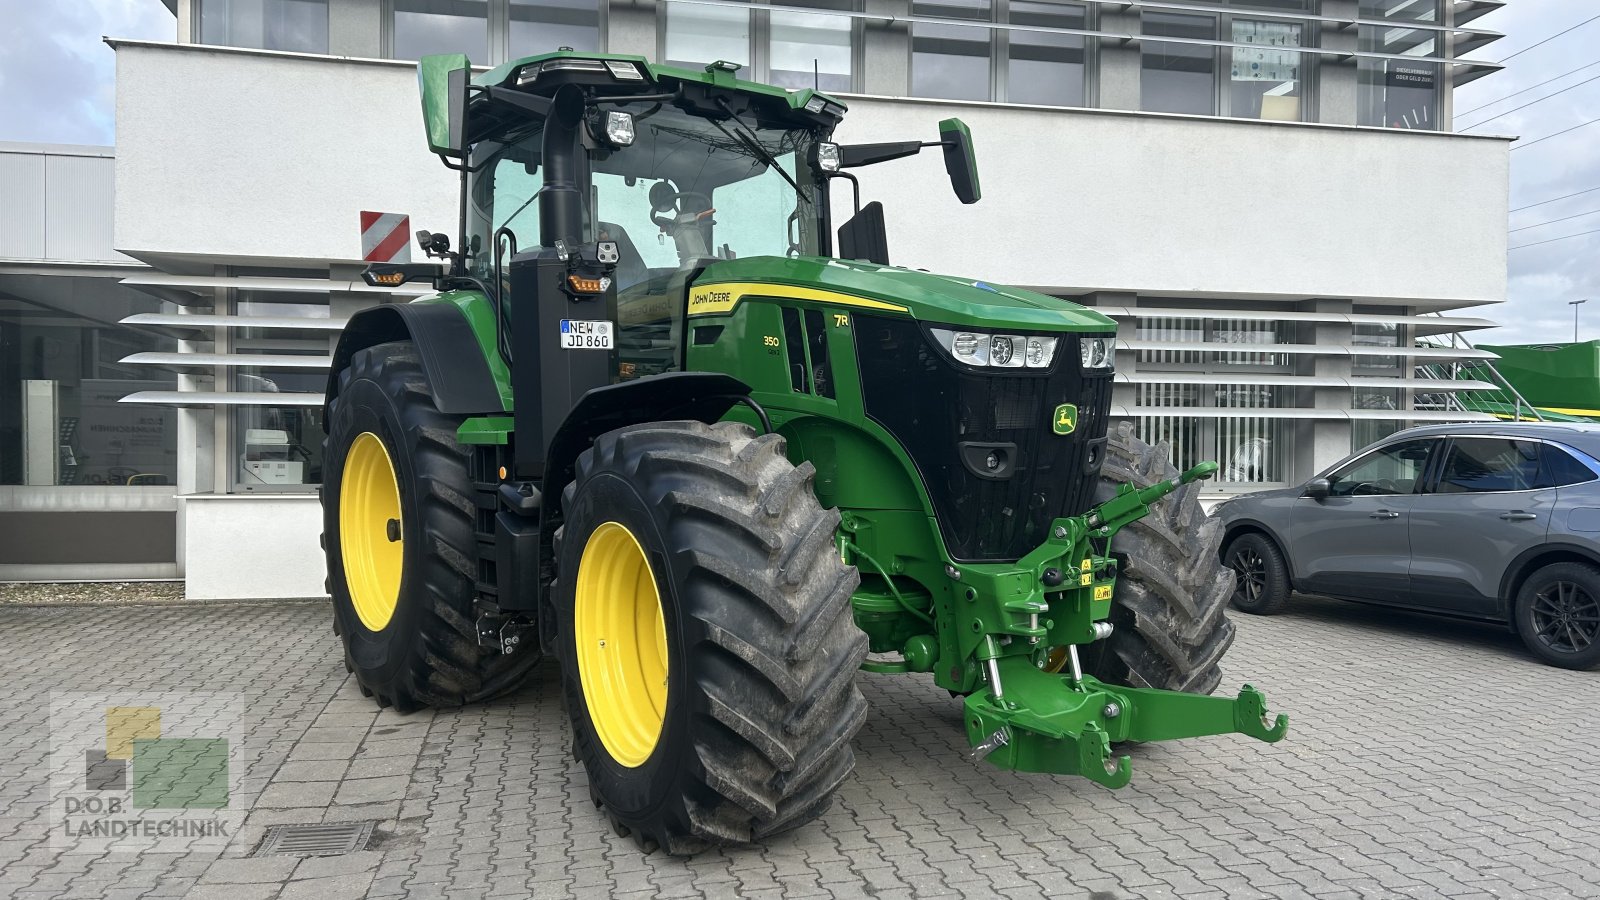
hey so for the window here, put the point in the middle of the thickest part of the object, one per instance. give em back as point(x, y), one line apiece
point(278, 448)
point(1370, 431)
point(62, 379)
point(1250, 344)
point(295, 25)
point(1483, 465)
point(1250, 449)
point(1399, 93)
point(540, 26)
point(817, 350)
point(698, 35)
point(1558, 467)
point(951, 62)
point(1178, 78)
point(811, 49)
point(1394, 469)
point(1265, 79)
point(1045, 68)
point(422, 27)
point(794, 345)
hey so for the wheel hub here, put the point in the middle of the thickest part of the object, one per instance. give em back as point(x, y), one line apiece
point(620, 633)
point(1566, 617)
point(370, 535)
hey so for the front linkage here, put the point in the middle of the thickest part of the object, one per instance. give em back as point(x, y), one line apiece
point(1031, 715)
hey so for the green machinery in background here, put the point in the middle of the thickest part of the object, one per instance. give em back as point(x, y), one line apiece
point(1561, 381)
point(666, 422)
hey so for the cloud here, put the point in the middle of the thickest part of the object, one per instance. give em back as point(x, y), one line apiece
point(1543, 277)
point(57, 76)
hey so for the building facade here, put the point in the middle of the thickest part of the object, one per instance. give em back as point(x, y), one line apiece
point(1266, 196)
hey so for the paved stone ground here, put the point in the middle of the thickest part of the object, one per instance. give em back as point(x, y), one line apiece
point(1426, 759)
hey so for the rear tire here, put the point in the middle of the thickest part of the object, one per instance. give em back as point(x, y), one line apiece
point(1261, 577)
point(1558, 615)
point(426, 651)
point(751, 734)
point(1168, 612)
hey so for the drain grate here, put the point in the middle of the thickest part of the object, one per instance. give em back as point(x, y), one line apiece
point(333, 839)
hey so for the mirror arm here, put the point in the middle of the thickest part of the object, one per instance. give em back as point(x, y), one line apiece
point(533, 103)
point(853, 156)
point(855, 184)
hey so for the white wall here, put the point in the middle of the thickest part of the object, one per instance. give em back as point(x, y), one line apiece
point(237, 155)
point(252, 546)
point(1101, 200)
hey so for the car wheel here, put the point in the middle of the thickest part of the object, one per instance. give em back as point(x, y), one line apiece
point(1261, 576)
point(1558, 615)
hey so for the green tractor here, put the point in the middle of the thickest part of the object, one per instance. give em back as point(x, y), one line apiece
point(664, 423)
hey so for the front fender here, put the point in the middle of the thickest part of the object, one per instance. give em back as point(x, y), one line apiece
point(450, 348)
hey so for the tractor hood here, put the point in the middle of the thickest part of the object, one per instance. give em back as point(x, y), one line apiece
point(925, 296)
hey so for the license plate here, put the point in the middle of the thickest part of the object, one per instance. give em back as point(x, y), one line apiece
point(577, 334)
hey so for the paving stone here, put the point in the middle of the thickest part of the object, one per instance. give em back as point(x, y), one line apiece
point(297, 794)
point(1411, 800)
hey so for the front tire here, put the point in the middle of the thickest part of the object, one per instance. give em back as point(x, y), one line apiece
point(1168, 612)
point(397, 533)
point(707, 649)
point(1558, 615)
point(1261, 576)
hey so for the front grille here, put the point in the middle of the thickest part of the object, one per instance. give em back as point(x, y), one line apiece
point(933, 407)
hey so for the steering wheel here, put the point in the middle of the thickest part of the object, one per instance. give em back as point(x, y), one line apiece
point(1375, 488)
point(665, 199)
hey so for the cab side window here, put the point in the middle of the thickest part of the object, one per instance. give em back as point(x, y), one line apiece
point(1489, 464)
point(1394, 469)
point(1558, 468)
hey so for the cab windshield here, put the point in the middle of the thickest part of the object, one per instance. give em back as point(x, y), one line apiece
point(687, 192)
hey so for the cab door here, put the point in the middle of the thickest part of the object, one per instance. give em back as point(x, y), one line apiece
point(1487, 505)
point(1354, 542)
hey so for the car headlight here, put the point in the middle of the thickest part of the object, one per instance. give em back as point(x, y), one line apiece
point(1000, 351)
point(1098, 352)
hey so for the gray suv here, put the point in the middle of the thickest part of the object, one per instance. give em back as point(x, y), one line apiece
point(1499, 522)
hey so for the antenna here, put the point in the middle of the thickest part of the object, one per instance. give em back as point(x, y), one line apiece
point(816, 75)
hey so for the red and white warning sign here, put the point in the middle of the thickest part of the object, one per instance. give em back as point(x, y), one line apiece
point(385, 237)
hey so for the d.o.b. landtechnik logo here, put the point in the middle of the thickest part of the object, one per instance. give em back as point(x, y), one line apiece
point(142, 774)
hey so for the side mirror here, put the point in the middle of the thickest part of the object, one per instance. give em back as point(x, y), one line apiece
point(865, 237)
point(444, 78)
point(960, 160)
point(1318, 488)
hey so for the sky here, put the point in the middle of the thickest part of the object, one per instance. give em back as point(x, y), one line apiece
point(57, 85)
point(1542, 279)
point(57, 78)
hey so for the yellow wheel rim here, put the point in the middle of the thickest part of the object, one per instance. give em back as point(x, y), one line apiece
point(621, 638)
point(369, 500)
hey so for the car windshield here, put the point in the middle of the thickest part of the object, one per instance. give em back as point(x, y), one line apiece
point(688, 189)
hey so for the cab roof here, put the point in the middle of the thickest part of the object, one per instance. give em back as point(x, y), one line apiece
point(718, 75)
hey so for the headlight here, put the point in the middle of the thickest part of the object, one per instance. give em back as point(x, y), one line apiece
point(1000, 351)
point(828, 156)
point(619, 128)
point(1098, 352)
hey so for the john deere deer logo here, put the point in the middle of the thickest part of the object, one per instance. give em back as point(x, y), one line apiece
point(1066, 418)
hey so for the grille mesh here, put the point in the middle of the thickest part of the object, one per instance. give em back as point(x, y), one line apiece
point(932, 407)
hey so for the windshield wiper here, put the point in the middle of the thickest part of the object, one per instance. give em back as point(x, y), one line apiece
point(747, 138)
